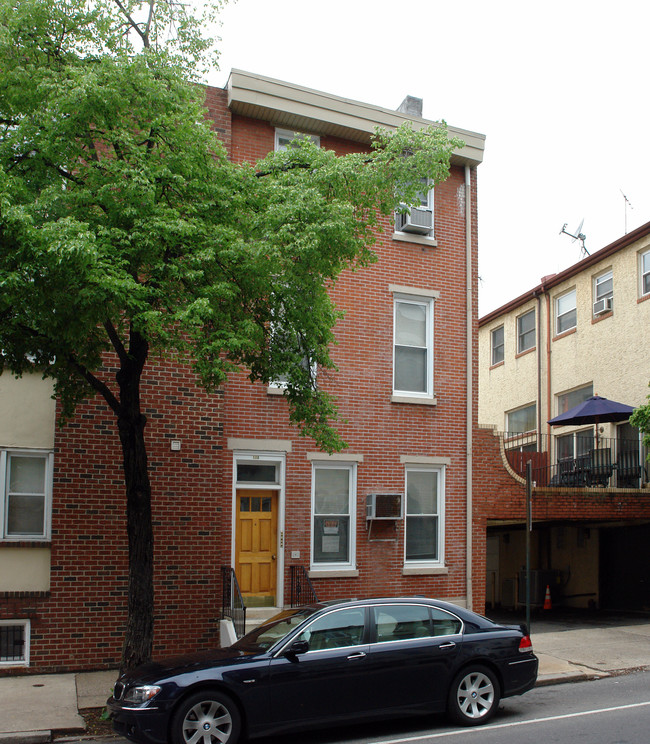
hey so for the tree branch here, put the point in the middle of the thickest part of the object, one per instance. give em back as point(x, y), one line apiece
point(95, 383)
point(132, 23)
point(116, 341)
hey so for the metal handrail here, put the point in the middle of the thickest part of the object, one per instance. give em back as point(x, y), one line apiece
point(302, 590)
point(232, 602)
point(605, 462)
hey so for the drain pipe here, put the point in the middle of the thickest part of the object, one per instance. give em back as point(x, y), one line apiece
point(469, 504)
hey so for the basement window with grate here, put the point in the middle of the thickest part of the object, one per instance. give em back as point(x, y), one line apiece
point(14, 642)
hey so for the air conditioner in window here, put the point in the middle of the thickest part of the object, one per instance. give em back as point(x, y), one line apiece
point(418, 220)
point(384, 506)
point(603, 306)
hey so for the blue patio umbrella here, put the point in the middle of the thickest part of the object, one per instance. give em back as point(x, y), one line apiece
point(594, 410)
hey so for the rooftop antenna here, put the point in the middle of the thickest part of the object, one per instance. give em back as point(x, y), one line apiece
point(627, 204)
point(577, 235)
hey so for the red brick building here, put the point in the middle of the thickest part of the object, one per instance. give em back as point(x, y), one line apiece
point(234, 484)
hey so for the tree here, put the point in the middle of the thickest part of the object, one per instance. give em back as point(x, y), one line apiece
point(641, 419)
point(126, 231)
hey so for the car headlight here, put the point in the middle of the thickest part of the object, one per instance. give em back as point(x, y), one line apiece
point(141, 694)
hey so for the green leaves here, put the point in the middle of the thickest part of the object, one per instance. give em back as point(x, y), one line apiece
point(121, 214)
point(641, 419)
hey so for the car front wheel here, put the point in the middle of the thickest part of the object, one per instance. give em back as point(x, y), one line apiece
point(474, 696)
point(208, 717)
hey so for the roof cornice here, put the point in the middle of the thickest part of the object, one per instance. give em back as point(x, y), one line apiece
point(555, 279)
point(295, 107)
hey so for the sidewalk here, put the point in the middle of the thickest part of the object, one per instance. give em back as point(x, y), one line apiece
point(34, 709)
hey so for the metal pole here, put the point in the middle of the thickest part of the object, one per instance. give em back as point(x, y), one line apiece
point(529, 527)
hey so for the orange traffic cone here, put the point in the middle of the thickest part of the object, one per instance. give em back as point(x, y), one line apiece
point(547, 598)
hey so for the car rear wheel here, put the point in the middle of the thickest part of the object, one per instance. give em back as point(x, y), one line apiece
point(207, 717)
point(474, 696)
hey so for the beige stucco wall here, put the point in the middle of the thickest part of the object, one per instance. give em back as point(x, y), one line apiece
point(612, 353)
point(25, 570)
point(27, 412)
point(513, 383)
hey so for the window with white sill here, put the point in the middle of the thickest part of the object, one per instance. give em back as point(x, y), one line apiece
point(413, 346)
point(285, 138)
point(25, 494)
point(333, 515)
point(14, 643)
point(424, 520)
point(417, 219)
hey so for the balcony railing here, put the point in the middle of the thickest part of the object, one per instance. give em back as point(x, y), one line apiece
point(578, 460)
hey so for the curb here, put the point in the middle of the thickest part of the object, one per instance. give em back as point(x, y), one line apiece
point(27, 737)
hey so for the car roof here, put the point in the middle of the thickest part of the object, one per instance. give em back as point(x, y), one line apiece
point(415, 599)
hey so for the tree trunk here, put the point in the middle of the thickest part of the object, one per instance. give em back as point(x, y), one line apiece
point(138, 640)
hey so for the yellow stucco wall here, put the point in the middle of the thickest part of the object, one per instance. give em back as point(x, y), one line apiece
point(612, 352)
point(27, 412)
point(24, 569)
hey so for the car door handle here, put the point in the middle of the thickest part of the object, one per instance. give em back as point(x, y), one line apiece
point(358, 655)
point(449, 644)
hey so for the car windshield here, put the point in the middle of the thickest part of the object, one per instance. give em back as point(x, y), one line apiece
point(268, 634)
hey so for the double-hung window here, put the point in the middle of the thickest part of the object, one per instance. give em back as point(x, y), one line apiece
point(413, 345)
point(418, 218)
point(333, 515)
point(423, 544)
point(497, 346)
point(603, 293)
point(644, 271)
point(285, 138)
point(565, 312)
point(526, 331)
point(25, 494)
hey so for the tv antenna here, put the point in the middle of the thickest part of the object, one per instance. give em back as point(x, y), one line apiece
point(627, 204)
point(577, 235)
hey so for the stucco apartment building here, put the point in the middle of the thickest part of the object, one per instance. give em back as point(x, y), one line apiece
point(234, 485)
point(579, 333)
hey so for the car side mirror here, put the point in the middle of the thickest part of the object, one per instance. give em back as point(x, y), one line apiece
point(297, 647)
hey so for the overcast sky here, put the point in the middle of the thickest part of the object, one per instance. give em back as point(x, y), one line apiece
point(558, 88)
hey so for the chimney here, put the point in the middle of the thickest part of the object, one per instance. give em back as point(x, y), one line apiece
point(411, 106)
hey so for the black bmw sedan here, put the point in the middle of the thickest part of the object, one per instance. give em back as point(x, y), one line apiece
point(329, 664)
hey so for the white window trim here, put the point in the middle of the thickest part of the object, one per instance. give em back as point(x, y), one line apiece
point(512, 432)
point(642, 256)
point(427, 298)
point(291, 134)
point(319, 569)
point(428, 238)
point(492, 347)
point(574, 309)
point(441, 470)
point(606, 275)
point(24, 662)
point(588, 388)
point(45, 536)
point(534, 344)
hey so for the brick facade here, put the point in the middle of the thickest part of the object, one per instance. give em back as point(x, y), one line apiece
point(79, 622)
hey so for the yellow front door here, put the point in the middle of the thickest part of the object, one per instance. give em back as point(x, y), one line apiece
point(256, 545)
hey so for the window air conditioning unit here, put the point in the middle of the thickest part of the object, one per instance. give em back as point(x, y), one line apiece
point(384, 506)
point(603, 306)
point(419, 220)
